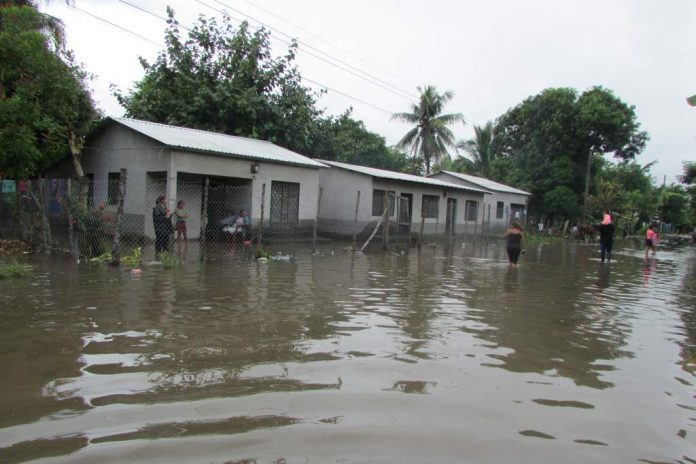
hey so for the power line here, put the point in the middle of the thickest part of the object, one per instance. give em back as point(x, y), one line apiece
point(386, 85)
point(331, 44)
point(160, 45)
point(115, 25)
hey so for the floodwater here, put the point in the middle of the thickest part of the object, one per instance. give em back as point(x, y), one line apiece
point(447, 355)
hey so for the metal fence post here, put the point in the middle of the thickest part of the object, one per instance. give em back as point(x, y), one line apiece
point(116, 248)
point(71, 220)
point(420, 235)
point(355, 221)
point(316, 220)
point(385, 234)
point(204, 219)
point(263, 206)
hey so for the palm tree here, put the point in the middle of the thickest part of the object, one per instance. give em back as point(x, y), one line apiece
point(481, 149)
point(431, 136)
point(50, 25)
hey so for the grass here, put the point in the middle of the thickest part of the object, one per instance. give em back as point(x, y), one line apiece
point(13, 269)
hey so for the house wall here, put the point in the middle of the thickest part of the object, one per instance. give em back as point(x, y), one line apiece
point(340, 189)
point(154, 170)
point(496, 224)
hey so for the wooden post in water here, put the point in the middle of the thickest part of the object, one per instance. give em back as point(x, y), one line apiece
point(204, 218)
point(116, 247)
point(355, 221)
point(316, 220)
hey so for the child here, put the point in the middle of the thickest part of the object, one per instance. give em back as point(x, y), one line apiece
point(650, 239)
point(180, 225)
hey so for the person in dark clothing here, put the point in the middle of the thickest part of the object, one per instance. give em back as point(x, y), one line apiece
point(163, 226)
point(606, 238)
point(515, 237)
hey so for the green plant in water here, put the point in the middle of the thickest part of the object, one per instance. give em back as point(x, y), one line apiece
point(103, 258)
point(134, 258)
point(261, 252)
point(168, 260)
point(13, 269)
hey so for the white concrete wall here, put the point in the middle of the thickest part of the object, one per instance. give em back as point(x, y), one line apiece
point(340, 189)
point(496, 224)
point(119, 147)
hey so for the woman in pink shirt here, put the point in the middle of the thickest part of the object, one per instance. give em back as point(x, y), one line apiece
point(650, 239)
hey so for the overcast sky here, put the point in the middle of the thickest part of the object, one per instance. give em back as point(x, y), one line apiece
point(491, 54)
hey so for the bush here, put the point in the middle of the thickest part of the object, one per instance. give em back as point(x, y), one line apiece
point(13, 269)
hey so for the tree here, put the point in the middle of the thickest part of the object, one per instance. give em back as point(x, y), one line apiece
point(50, 25)
point(347, 140)
point(46, 109)
point(430, 137)
point(552, 139)
point(225, 79)
point(481, 149)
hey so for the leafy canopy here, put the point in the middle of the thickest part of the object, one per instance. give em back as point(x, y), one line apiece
point(225, 79)
point(543, 143)
point(45, 105)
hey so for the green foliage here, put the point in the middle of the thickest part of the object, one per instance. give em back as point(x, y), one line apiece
point(429, 139)
point(168, 260)
point(674, 206)
point(225, 79)
point(44, 101)
point(13, 269)
point(347, 140)
point(482, 149)
point(262, 252)
point(626, 189)
point(543, 143)
point(561, 202)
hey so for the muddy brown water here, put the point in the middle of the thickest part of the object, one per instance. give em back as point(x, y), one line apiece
point(447, 355)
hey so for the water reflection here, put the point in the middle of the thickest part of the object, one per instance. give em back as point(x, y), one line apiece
point(374, 346)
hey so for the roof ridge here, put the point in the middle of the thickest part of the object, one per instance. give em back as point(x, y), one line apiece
point(192, 129)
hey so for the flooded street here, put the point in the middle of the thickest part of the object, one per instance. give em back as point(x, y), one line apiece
point(437, 356)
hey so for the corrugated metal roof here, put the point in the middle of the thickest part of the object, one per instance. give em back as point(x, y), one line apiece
point(213, 142)
point(399, 176)
point(486, 183)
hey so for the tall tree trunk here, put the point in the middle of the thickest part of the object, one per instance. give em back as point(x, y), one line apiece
point(76, 152)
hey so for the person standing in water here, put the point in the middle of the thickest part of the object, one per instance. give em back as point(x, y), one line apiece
point(515, 238)
point(606, 236)
point(180, 224)
point(650, 239)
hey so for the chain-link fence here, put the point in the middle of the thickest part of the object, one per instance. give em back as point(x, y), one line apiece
point(208, 220)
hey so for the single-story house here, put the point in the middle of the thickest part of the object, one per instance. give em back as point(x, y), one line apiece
point(502, 204)
point(437, 205)
point(266, 180)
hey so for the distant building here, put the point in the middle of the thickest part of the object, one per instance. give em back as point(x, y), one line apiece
point(436, 204)
point(502, 203)
point(175, 161)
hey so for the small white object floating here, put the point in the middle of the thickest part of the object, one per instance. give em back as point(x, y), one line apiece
point(262, 259)
point(281, 258)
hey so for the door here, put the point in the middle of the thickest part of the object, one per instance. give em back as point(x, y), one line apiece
point(451, 220)
point(404, 218)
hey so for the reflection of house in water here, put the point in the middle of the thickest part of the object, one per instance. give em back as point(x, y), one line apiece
point(560, 329)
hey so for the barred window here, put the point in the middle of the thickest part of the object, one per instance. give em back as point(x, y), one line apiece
point(499, 210)
point(285, 202)
point(112, 188)
point(431, 207)
point(471, 210)
point(378, 202)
